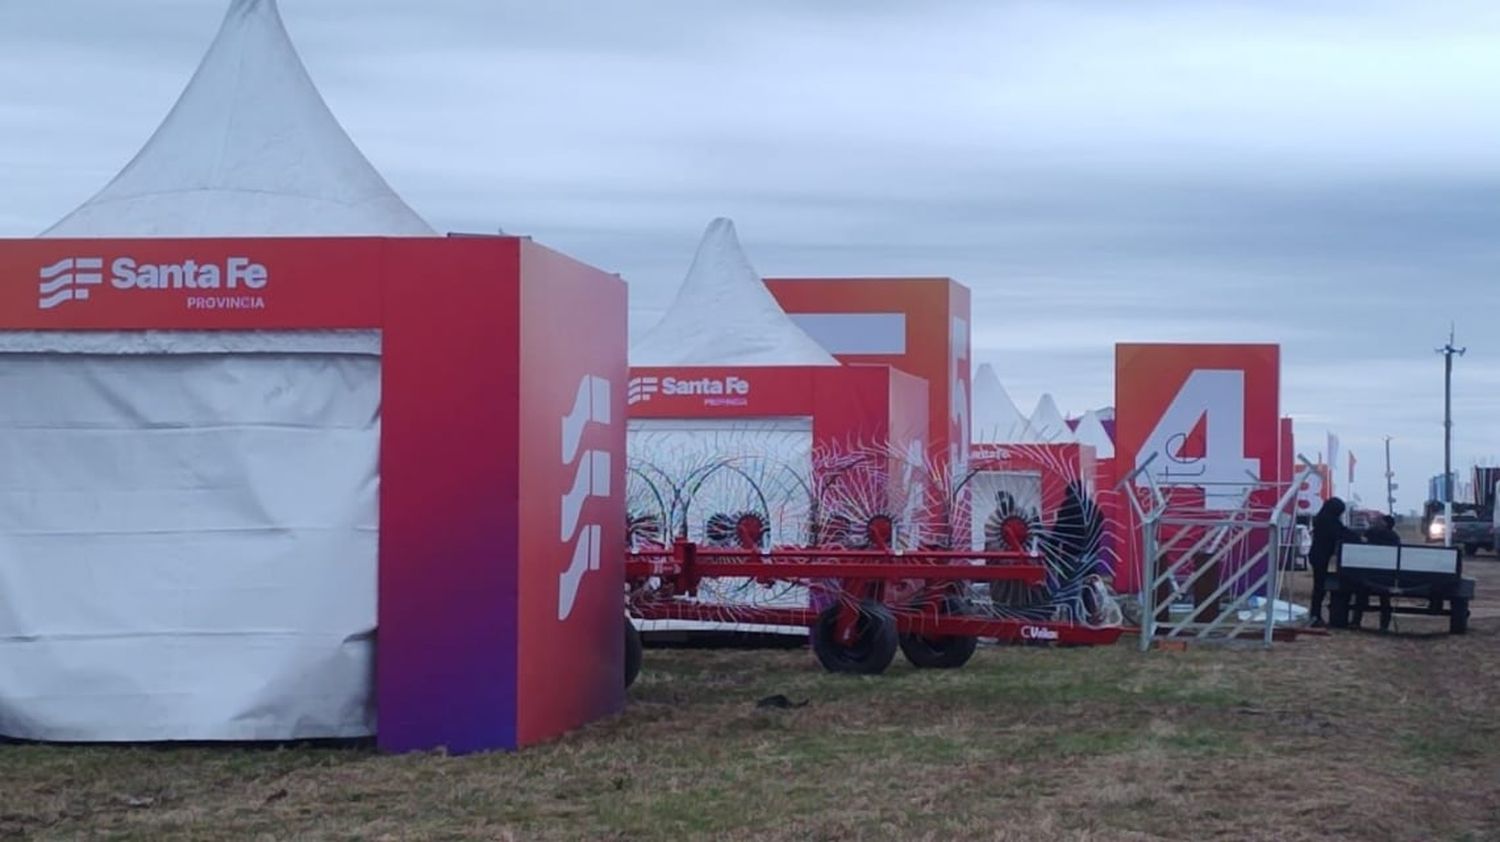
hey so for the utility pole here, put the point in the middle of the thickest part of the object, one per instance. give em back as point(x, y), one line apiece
point(1390, 481)
point(1448, 352)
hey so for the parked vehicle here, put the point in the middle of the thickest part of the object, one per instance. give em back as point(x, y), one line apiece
point(1495, 519)
point(1473, 532)
point(1436, 528)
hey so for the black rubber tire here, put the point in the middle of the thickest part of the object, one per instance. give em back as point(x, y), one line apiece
point(1471, 550)
point(1458, 616)
point(873, 651)
point(940, 653)
point(633, 653)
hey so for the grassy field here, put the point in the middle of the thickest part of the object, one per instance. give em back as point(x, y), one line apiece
point(1352, 736)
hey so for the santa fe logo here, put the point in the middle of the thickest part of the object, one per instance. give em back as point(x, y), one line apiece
point(233, 286)
point(69, 280)
point(640, 389)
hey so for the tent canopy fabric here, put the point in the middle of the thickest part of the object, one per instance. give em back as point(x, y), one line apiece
point(724, 315)
point(1047, 423)
point(997, 420)
point(250, 149)
point(1091, 431)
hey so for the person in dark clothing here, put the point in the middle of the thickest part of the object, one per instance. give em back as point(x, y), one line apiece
point(1384, 534)
point(1329, 533)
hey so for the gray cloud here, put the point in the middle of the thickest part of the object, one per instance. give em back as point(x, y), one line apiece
point(1321, 174)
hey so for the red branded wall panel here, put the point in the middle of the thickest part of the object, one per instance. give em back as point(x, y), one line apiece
point(933, 343)
point(1227, 397)
point(1088, 469)
point(1288, 445)
point(851, 406)
point(1118, 539)
point(864, 406)
point(448, 498)
point(486, 343)
point(722, 392)
point(908, 480)
point(307, 283)
point(909, 421)
point(572, 479)
point(1209, 414)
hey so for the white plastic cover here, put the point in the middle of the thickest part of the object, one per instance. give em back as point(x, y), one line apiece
point(250, 149)
point(997, 420)
point(724, 315)
point(727, 466)
point(1282, 611)
point(188, 546)
point(1429, 560)
point(1370, 557)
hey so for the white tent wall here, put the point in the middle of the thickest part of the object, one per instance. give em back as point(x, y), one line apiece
point(188, 535)
point(775, 453)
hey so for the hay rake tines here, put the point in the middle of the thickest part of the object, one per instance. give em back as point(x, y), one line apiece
point(865, 603)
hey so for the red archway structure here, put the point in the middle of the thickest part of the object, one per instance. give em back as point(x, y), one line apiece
point(502, 447)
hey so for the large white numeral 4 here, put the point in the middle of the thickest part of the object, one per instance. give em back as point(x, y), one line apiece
point(1200, 440)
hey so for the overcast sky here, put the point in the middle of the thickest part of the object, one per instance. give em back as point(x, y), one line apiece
point(1325, 175)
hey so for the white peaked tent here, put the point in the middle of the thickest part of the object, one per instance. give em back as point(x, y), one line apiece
point(249, 149)
point(1091, 432)
point(724, 315)
point(189, 521)
point(997, 420)
point(1047, 423)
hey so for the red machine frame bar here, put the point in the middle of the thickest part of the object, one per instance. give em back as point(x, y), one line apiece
point(685, 558)
point(1006, 629)
point(1027, 574)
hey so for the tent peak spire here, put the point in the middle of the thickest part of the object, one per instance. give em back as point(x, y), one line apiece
point(249, 149)
point(724, 315)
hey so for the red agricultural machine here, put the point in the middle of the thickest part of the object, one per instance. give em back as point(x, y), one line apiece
point(868, 565)
point(864, 604)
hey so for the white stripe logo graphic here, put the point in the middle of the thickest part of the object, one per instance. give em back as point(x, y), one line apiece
point(591, 475)
point(68, 280)
point(640, 389)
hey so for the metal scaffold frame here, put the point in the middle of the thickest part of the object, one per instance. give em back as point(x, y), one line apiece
point(1207, 557)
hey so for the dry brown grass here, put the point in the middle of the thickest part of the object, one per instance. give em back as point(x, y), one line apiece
point(1353, 736)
